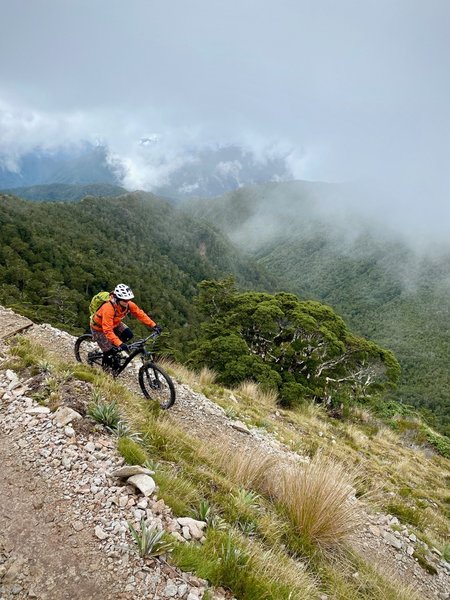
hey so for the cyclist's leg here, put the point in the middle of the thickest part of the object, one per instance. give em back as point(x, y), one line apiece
point(123, 332)
point(106, 347)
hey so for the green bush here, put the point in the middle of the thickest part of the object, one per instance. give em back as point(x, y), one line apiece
point(440, 443)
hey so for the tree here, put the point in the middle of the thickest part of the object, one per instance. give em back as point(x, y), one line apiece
point(301, 347)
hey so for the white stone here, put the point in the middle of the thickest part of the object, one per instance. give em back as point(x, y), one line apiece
point(171, 589)
point(38, 410)
point(195, 527)
point(102, 535)
point(392, 540)
point(130, 470)
point(65, 415)
point(69, 431)
point(240, 426)
point(11, 375)
point(144, 483)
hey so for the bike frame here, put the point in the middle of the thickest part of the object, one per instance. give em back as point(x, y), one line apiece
point(141, 349)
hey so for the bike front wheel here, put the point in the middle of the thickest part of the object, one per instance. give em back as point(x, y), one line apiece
point(87, 351)
point(156, 385)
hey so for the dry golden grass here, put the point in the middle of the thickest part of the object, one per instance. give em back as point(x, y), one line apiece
point(253, 391)
point(316, 498)
point(362, 414)
point(312, 411)
point(387, 435)
point(245, 466)
point(206, 376)
point(180, 372)
point(356, 435)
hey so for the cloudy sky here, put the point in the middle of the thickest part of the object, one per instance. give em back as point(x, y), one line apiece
point(350, 90)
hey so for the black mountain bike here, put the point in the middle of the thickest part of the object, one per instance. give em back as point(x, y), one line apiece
point(155, 383)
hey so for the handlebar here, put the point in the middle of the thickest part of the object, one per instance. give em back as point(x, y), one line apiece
point(139, 343)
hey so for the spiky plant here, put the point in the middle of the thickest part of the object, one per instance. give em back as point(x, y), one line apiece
point(150, 541)
point(204, 512)
point(247, 498)
point(106, 413)
point(123, 430)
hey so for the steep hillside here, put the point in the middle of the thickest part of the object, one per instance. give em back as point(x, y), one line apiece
point(220, 459)
point(377, 282)
point(55, 256)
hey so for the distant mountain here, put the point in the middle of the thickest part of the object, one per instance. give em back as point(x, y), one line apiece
point(80, 166)
point(58, 192)
point(384, 289)
point(214, 171)
point(202, 172)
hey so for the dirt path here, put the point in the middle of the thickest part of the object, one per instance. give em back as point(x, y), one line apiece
point(41, 554)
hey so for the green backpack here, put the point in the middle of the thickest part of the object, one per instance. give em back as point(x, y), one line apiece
point(97, 301)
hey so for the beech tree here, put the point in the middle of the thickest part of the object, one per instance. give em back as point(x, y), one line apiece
point(303, 348)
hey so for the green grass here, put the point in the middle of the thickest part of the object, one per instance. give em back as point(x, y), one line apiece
point(405, 513)
point(132, 451)
point(251, 573)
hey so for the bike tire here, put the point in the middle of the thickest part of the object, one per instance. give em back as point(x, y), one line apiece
point(83, 345)
point(156, 385)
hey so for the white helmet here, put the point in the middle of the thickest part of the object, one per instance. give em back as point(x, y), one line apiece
point(123, 292)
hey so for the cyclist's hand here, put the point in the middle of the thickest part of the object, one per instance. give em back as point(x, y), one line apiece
point(157, 329)
point(123, 347)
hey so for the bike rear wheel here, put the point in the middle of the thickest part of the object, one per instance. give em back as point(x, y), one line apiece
point(156, 385)
point(87, 351)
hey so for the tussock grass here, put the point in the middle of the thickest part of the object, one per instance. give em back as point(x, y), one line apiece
point(254, 392)
point(179, 492)
point(359, 439)
point(385, 434)
point(246, 467)
point(316, 498)
point(312, 411)
point(180, 372)
point(207, 377)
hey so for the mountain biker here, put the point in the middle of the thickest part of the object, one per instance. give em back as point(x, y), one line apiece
point(107, 328)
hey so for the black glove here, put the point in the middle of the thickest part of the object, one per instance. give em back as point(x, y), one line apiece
point(157, 329)
point(123, 347)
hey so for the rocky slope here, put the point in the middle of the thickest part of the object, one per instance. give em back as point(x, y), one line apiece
point(64, 514)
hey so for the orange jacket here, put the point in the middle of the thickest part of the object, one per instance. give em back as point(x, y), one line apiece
point(109, 315)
